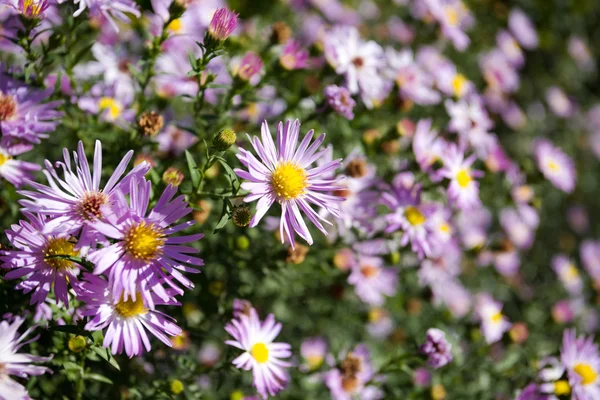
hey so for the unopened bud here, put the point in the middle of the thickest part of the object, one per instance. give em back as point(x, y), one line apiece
point(224, 139)
point(77, 344)
point(172, 176)
point(223, 23)
point(176, 386)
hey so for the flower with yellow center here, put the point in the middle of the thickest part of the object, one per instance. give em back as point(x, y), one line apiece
point(451, 15)
point(131, 308)
point(463, 177)
point(571, 273)
point(144, 241)
point(59, 247)
point(112, 105)
point(553, 166)
point(260, 352)
point(458, 85)
point(497, 317)
point(586, 372)
point(289, 180)
point(4, 158)
point(31, 8)
point(414, 216)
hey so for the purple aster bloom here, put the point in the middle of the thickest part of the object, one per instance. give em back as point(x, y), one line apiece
point(77, 200)
point(349, 380)
point(567, 273)
point(223, 23)
point(109, 9)
point(498, 72)
point(127, 320)
point(409, 214)
point(359, 61)
point(17, 364)
point(16, 172)
point(414, 82)
point(560, 104)
point(453, 17)
point(493, 322)
point(520, 225)
point(428, 147)
point(313, 350)
point(555, 165)
point(510, 47)
point(23, 115)
point(340, 100)
point(372, 281)
point(380, 324)
point(174, 141)
point(463, 190)
point(109, 103)
point(521, 26)
point(250, 66)
point(33, 259)
point(145, 254)
point(293, 56)
point(282, 175)
point(29, 8)
point(261, 354)
point(436, 348)
point(580, 356)
point(580, 52)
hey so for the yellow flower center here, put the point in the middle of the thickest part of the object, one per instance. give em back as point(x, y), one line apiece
point(562, 388)
point(414, 216)
point(4, 158)
point(463, 177)
point(260, 352)
point(458, 84)
point(369, 271)
point(451, 15)
point(572, 272)
point(289, 180)
point(376, 314)
point(445, 228)
point(129, 308)
point(31, 7)
point(497, 317)
point(113, 106)
point(587, 373)
point(552, 166)
point(59, 247)
point(314, 361)
point(144, 241)
point(175, 26)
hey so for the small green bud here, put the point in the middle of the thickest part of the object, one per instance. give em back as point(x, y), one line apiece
point(241, 216)
point(172, 176)
point(77, 344)
point(224, 139)
point(242, 242)
point(176, 386)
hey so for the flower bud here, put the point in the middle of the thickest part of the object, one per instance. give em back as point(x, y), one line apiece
point(150, 123)
point(242, 242)
point(176, 386)
point(224, 139)
point(77, 344)
point(223, 23)
point(172, 176)
point(250, 66)
point(241, 216)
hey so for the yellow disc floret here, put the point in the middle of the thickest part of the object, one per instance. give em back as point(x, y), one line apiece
point(562, 388)
point(587, 373)
point(113, 106)
point(130, 308)
point(4, 158)
point(59, 247)
point(260, 352)
point(414, 216)
point(463, 177)
point(144, 241)
point(289, 180)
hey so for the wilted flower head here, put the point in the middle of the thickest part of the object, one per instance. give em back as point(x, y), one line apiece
point(350, 379)
point(223, 23)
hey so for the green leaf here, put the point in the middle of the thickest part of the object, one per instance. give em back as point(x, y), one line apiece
point(97, 377)
point(193, 167)
point(105, 354)
point(225, 215)
point(231, 175)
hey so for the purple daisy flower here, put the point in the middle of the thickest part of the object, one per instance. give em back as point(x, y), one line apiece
point(23, 115)
point(127, 320)
point(77, 200)
point(282, 174)
point(340, 100)
point(493, 322)
point(16, 172)
point(555, 165)
point(109, 9)
point(293, 56)
point(313, 350)
point(261, 354)
point(580, 356)
point(144, 255)
point(436, 348)
point(34, 258)
point(463, 190)
point(17, 364)
point(372, 281)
